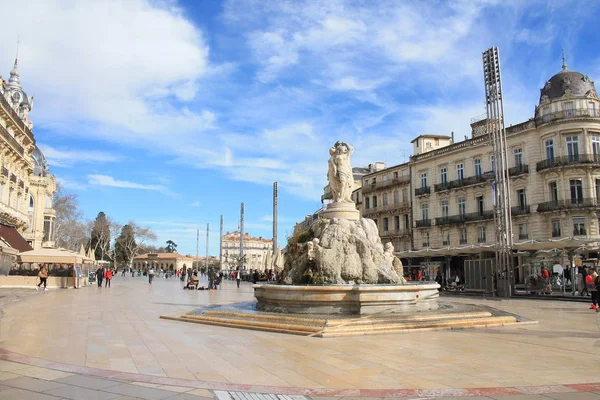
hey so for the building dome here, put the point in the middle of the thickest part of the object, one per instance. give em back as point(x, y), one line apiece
point(40, 163)
point(567, 82)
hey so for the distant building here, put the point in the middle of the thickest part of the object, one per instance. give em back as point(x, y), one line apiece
point(166, 261)
point(255, 251)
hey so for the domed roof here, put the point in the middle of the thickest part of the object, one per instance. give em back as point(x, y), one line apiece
point(571, 82)
point(40, 163)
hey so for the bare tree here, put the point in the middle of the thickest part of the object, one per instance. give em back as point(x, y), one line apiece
point(69, 230)
point(131, 239)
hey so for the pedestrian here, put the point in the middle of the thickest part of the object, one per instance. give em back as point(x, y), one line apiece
point(220, 278)
point(150, 275)
point(255, 276)
point(567, 274)
point(597, 287)
point(108, 277)
point(123, 273)
point(546, 288)
point(43, 274)
point(238, 276)
point(584, 288)
point(99, 276)
point(591, 283)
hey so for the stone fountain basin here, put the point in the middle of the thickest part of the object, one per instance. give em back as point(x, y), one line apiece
point(347, 299)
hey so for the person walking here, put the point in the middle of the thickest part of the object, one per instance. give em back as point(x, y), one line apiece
point(238, 276)
point(150, 275)
point(108, 277)
point(591, 281)
point(584, 288)
point(43, 275)
point(99, 276)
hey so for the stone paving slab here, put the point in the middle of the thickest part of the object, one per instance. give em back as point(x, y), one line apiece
point(99, 345)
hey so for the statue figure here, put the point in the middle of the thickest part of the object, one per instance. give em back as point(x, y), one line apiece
point(340, 172)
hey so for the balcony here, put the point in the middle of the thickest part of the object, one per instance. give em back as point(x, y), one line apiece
point(518, 170)
point(13, 178)
point(565, 114)
point(21, 184)
point(383, 184)
point(422, 191)
point(6, 109)
point(370, 211)
point(388, 207)
point(5, 172)
point(49, 212)
point(565, 161)
point(463, 218)
point(13, 216)
point(458, 183)
point(6, 136)
point(479, 216)
point(423, 223)
point(557, 205)
point(395, 232)
point(520, 210)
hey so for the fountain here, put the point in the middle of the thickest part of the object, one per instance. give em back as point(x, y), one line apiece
point(339, 280)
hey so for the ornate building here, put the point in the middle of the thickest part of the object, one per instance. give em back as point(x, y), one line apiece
point(26, 186)
point(255, 251)
point(554, 168)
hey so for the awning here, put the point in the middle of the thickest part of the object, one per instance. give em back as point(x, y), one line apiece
point(14, 238)
point(51, 255)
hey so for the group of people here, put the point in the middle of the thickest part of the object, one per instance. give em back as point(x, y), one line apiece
point(104, 274)
point(265, 276)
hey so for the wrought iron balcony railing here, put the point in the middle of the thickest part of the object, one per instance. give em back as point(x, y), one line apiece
point(458, 183)
point(565, 114)
point(422, 223)
point(518, 170)
point(395, 232)
point(520, 210)
point(423, 191)
point(565, 161)
point(557, 205)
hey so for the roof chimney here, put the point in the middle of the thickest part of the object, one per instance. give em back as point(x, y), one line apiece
point(452, 135)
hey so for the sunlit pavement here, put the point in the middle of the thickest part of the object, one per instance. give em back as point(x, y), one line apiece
point(109, 343)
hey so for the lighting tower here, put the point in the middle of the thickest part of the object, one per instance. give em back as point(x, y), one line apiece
point(503, 268)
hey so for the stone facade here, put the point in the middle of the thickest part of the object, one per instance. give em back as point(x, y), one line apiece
point(255, 251)
point(26, 186)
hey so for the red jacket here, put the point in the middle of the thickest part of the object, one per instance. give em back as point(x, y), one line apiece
point(108, 274)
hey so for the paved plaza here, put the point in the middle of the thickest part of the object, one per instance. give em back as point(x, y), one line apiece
point(109, 343)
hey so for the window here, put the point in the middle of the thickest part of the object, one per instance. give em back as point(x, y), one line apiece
point(596, 147)
point(573, 147)
point(518, 157)
point(425, 239)
point(385, 199)
point(397, 222)
point(481, 234)
point(460, 171)
point(445, 238)
point(443, 175)
point(1, 190)
point(373, 181)
point(462, 206)
point(405, 195)
point(444, 208)
point(578, 226)
point(569, 112)
point(522, 199)
point(10, 197)
point(396, 196)
point(592, 108)
point(555, 228)
point(386, 224)
point(425, 211)
point(493, 163)
point(406, 223)
point(374, 201)
point(576, 191)
point(478, 170)
point(479, 204)
point(463, 235)
point(597, 189)
point(553, 191)
point(367, 202)
point(550, 149)
point(523, 231)
point(546, 114)
point(396, 175)
point(423, 179)
point(47, 228)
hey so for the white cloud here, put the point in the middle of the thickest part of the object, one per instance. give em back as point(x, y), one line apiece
point(68, 157)
point(70, 183)
point(105, 180)
point(195, 204)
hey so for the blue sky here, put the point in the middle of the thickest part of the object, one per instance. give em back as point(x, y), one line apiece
point(171, 113)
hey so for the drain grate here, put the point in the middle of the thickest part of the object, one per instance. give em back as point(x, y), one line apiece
point(223, 395)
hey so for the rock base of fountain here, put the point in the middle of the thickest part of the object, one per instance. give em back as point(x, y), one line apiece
point(347, 299)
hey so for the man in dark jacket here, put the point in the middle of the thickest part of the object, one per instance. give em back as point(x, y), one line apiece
point(99, 276)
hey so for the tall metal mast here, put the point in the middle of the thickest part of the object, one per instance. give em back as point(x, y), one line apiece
point(242, 236)
point(503, 269)
point(221, 244)
point(206, 261)
point(275, 200)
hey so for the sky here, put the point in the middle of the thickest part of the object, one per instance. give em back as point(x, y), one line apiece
point(171, 113)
